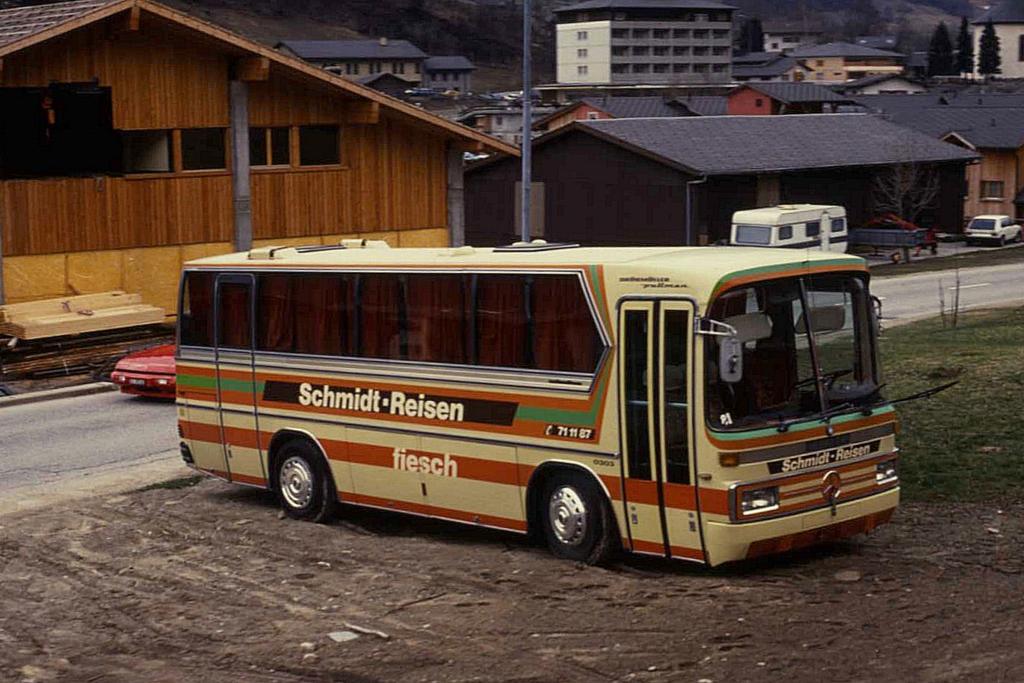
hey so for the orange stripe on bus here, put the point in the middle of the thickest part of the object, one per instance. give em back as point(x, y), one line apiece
point(434, 511)
point(714, 501)
point(791, 437)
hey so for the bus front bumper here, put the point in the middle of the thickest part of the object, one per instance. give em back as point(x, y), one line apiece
point(727, 542)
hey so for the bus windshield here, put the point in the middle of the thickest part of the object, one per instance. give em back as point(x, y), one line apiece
point(808, 346)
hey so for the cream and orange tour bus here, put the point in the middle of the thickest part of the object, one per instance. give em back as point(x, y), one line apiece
point(707, 404)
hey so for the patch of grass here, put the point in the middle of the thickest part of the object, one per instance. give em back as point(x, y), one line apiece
point(972, 259)
point(171, 484)
point(967, 443)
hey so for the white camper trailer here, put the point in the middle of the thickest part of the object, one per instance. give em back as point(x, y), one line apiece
point(792, 226)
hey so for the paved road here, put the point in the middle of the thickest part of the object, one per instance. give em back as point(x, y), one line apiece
point(76, 437)
point(912, 297)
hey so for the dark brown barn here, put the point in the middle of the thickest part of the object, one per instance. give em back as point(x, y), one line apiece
point(134, 137)
point(678, 180)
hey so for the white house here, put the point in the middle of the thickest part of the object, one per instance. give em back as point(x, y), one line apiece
point(1008, 20)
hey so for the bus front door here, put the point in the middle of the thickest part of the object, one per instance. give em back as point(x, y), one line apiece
point(655, 366)
point(236, 379)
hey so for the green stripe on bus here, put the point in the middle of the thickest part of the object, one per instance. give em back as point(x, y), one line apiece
point(779, 267)
point(585, 418)
point(226, 384)
point(797, 427)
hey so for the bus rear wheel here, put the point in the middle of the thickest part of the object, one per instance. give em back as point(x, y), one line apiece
point(303, 484)
point(578, 524)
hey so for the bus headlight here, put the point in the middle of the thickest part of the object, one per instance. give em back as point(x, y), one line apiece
point(886, 472)
point(759, 500)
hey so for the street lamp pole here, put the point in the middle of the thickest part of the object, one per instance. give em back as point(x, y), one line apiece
point(526, 147)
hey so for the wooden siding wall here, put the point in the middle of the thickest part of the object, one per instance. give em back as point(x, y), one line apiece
point(392, 175)
point(155, 80)
point(1000, 165)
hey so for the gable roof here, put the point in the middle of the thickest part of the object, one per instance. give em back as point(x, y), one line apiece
point(989, 128)
point(352, 49)
point(789, 92)
point(734, 145)
point(651, 106)
point(705, 105)
point(783, 26)
point(776, 67)
point(841, 49)
point(448, 63)
point(21, 32)
point(865, 81)
point(1005, 12)
point(643, 4)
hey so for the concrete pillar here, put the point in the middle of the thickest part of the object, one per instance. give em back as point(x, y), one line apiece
point(456, 197)
point(240, 175)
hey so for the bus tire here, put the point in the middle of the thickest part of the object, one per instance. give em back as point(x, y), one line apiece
point(578, 524)
point(303, 483)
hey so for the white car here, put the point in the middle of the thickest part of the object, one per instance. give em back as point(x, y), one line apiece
point(993, 228)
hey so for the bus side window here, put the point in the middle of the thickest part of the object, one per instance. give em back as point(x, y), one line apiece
point(501, 321)
point(234, 313)
point(381, 313)
point(564, 336)
point(196, 310)
point(437, 318)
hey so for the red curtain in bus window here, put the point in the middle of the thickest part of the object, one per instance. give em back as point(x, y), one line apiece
point(197, 323)
point(501, 320)
point(436, 318)
point(321, 320)
point(380, 316)
point(234, 315)
point(276, 322)
point(564, 335)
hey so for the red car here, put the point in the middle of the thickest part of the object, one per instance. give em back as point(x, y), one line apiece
point(149, 372)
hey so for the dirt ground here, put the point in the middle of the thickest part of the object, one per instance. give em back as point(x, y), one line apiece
point(208, 583)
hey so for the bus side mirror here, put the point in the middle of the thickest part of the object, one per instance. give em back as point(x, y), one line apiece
point(730, 359)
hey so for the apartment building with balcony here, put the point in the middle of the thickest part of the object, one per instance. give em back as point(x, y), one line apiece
point(625, 42)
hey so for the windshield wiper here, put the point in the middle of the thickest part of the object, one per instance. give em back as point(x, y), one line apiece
point(821, 416)
point(927, 393)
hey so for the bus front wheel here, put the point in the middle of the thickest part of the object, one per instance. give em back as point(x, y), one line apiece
point(578, 524)
point(303, 484)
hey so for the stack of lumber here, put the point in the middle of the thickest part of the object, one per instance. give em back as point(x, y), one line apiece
point(94, 353)
point(73, 315)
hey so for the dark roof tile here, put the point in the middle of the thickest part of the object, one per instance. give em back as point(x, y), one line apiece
point(841, 49)
point(21, 22)
point(636, 107)
point(726, 145)
point(352, 49)
point(985, 128)
point(643, 4)
point(448, 63)
point(1005, 12)
point(796, 93)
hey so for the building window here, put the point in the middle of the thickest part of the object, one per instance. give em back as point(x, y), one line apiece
point(661, 68)
point(620, 33)
point(269, 147)
point(146, 151)
point(700, 17)
point(759, 102)
point(1020, 49)
point(620, 68)
point(641, 68)
point(398, 67)
point(701, 33)
point(991, 189)
point(660, 33)
point(203, 149)
point(720, 50)
point(700, 50)
point(581, 70)
point(641, 33)
point(680, 33)
point(720, 33)
point(660, 51)
point(681, 68)
point(582, 52)
point(641, 51)
point(700, 68)
point(319, 145)
point(775, 46)
point(680, 50)
point(581, 35)
point(718, 68)
point(620, 51)
point(593, 115)
point(819, 62)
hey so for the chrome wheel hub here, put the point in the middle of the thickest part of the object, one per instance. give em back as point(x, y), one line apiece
point(568, 515)
point(296, 481)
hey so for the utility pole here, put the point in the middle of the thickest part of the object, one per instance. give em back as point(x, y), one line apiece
point(526, 148)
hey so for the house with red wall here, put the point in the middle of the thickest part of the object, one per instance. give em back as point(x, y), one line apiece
point(783, 98)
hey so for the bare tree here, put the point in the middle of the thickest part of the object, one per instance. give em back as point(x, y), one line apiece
point(905, 189)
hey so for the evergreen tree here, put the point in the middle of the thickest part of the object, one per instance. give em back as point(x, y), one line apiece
point(964, 49)
point(989, 60)
point(940, 52)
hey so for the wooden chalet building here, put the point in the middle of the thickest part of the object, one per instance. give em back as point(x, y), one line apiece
point(669, 181)
point(135, 137)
